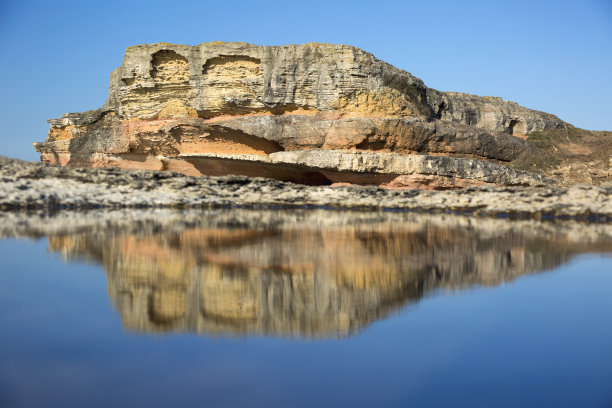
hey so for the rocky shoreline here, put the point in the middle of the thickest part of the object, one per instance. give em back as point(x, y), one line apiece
point(39, 186)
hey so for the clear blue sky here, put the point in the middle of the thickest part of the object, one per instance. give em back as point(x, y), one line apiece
point(554, 56)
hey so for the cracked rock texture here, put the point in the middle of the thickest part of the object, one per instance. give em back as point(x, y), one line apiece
point(27, 185)
point(169, 102)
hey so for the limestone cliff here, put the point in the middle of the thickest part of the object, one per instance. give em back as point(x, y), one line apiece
point(208, 109)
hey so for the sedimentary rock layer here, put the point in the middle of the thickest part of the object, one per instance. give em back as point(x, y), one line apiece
point(167, 101)
point(27, 185)
point(319, 167)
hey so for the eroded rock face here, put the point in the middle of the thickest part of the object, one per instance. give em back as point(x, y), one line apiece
point(490, 113)
point(167, 101)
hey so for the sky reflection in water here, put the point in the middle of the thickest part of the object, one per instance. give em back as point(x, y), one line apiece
point(303, 308)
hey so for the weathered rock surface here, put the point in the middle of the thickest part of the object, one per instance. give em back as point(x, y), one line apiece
point(490, 113)
point(27, 185)
point(167, 101)
point(318, 167)
point(295, 273)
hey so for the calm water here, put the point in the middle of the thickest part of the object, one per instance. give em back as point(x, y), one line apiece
point(244, 308)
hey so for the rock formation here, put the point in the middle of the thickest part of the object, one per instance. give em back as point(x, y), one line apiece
point(275, 111)
point(296, 273)
point(41, 186)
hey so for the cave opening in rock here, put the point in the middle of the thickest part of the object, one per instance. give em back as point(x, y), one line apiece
point(233, 65)
point(169, 66)
point(441, 107)
point(471, 117)
point(516, 127)
point(372, 145)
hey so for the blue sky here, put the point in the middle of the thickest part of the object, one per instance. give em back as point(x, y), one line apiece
point(554, 56)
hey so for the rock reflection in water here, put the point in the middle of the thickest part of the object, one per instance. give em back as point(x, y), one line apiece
point(306, 274)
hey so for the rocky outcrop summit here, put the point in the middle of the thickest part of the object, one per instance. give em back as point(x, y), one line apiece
point(313, 113)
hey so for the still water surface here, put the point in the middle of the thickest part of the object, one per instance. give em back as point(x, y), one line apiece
point(313, 308)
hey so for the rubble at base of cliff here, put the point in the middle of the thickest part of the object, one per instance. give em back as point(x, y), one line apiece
point(38, 186)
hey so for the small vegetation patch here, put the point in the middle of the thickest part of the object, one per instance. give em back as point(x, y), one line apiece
point(538, 161)
point(567, 147)
point(546, 138)
point(550, 137)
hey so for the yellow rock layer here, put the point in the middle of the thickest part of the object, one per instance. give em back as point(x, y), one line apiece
point(384, 103)
point(175, 109)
